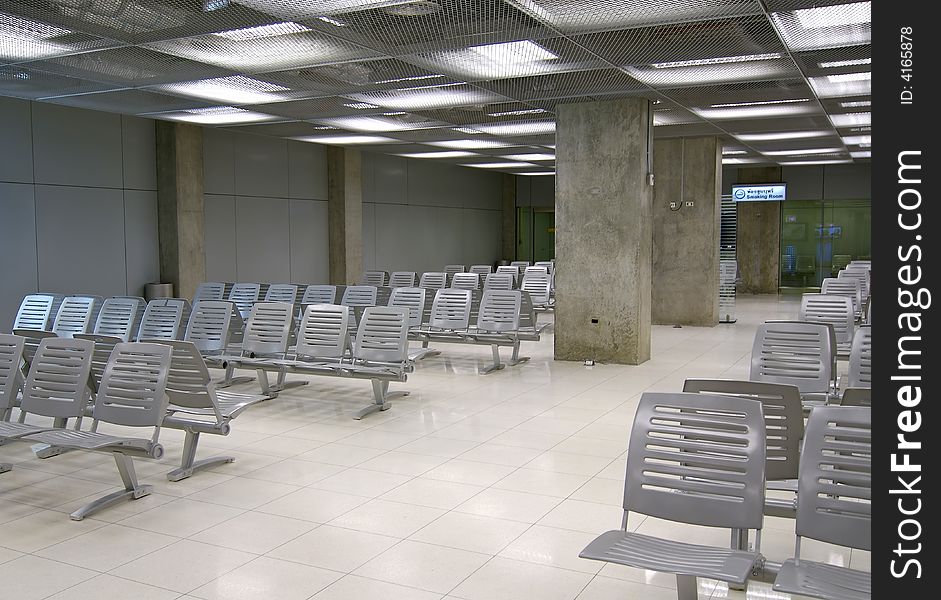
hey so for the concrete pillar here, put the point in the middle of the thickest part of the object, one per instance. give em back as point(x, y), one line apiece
point(758, 242)
point(345, 215)
point(603, 231)
point(685, 286)
point(180, 211)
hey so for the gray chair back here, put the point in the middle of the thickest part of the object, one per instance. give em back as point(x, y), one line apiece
point(281, 292)
point(451, 309)
point(481, 270)
point(77, 314)
point(244, 295)
point(382, 335)
point(324, 331)
point(434, 280)
point(374, 278)
point(538, 286)
point(269, 327)
point(834, 490)
point(189, 383)
point(784, 419)
point(520, 264)
point(319, 294)
point(697, 458)
point(860, 373)
point(856, 397)
point(402, 279)
point(37, 311)
point(793, 352)
point(57, 384)
point(133, 387)
point(499, 311)
point(11, 355)
point(835, 310)
point(860, 273)
point(210, 324)
point(848, 286)
point(209, 290)
point(499, 281)
point(120, 317)
point(164, 319)
point(412, 298)
point(466, 281)
point(360, 295)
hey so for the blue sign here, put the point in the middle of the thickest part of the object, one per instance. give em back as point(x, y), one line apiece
point(761, 192)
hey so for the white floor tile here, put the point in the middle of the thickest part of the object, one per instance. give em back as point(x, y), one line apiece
point(553, 547)
point(504, 579)
point(334, 548)
point(108, 586)
point(361, 482)
point(267, 578)
point(311, 504)
point(254, 532)
point(183, 566)
point(508, 504)
point(32, 578)
point(403, 463)
point(433, 492)
point(353, 587)
point(546, 483)
point(242, 492)
point(182, 517)
point(466, 471)
point(340, 454)
point(295, 472)
point(388, 518)
point(42, 529)
point(471, 532)
point(423, 566)
point(107, 547)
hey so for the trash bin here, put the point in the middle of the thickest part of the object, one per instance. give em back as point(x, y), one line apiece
point(158, 290)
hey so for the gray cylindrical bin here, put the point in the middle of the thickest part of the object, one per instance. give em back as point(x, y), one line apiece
point(158, 290)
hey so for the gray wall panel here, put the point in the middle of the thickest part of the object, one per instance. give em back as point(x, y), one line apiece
point(141, 243)
point(433, 184)
point(263, 249)
point(72, 146)
point(390, 179)
point(219, 234)
point(16, 142)
point(218, 161)
point(848, 182)
point(80, 235)
point(140, 161)
point(482, 236)
point(803, 183)
point(308, 171)
point(17, 249)
point(309, 242)
point(261, 166)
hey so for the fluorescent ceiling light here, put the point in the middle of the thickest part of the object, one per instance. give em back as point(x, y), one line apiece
point(263, 31)
point(797, 163)
point(26, 29)
point(530, 157)
point(346, 140)
point(220, 115)
point(856, 104)
point(333, 22)
point(716, 61)
point(469, 144)
point(834, 16)
point(534, 128)
point(759, 103)
point(360, 105)
point(742, 161)
point(516, 113)
point(845, 63)
point(857, 140)
point(862, 154)
point(733, 152)
point(466, 130)
point(446, 154)
point(535, 173)
point(843, 78)
point(712, 74)
point(783, 135)
point(513, 53)
point(499, 165)
point(427, 97)
point(377, 123)
point(851, 119)
point(804, 151)
point(755, 112)
point(826, 87)
point(413, 78)
point(236, 89)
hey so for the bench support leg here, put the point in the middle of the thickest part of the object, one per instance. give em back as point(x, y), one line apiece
point(515, 358)
point(686, 588)
point(4, 467)
point(739, 542)
point(497, 364)
point(230, 378)
point(47, 451)
point(132, 489)
point(189, 464)
point(272, 390)
point(380, 391)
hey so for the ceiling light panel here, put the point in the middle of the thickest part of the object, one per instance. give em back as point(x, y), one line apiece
point(432, 97)
point(602, 15)
point(236, 89)
point(836, 86)
point(825, 26)
point(217, 115)
point(743, 161)
point(21, 82)
point(346, 140)
point(130, 102)
point(359, 77)
point(535, 173)
point(862, 154)
point(857, 140)
point(520, 58)
point(757, 112)
point(316, 108)
point(672, 117)
point(518, 129)
point(479, 144)
point(564, 85)
point(498, 165)
point(303, 9)
point(378, 123)
point(249, 51)
point(725, 70)
point(443, 154)
point(851, 119)
point(530, 157)
point(782, 135)
point(806, 163)
point(803, 152)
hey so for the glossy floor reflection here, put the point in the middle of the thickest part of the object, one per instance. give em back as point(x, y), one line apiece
point(473, 487)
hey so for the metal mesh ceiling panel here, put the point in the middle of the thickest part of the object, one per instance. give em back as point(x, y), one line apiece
point(602, 15)
point(21, 82)
point(129, 66)
point(429, 75)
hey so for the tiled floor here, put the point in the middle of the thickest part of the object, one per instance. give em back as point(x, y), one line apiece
point(473, 487)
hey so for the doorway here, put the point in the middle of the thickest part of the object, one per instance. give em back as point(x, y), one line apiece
point(535, 233)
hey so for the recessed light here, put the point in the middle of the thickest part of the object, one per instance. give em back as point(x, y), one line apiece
point(516, 113)
point(26, 29)
point(524, 51)
point(830, 26)
point(535, 173)
point(834, 86)
point(469, 144)
point(803, 152)
point(760, 103)
point(857, 140)
point(446, 154)
point(376, 123)
point(742, 161)
point(412, 78)
point(361, 105)
point(783, 135)
point(236, 89)
point(496, 61)
point(755, 112)
point(219, 115)
point(263, 31)
point(498, 165)
point(834, 16)
point(856, 104)
point(345, 140)
point(801, 163)
point(733, 152)
point(717, 73)
point(716, 61)
point(845, 63)
point(332, 21)
point(521, 129)
point(466, 130)
point(845, 77)
point(424, 98)
point(851, 119)
point(530, 157)
point(862, 154)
